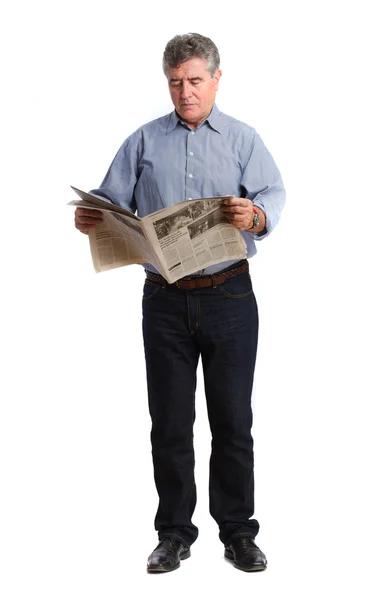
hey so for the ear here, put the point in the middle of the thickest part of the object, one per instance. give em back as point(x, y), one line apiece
point(216, 78)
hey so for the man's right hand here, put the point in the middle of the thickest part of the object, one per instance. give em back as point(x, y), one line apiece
point(87, 218)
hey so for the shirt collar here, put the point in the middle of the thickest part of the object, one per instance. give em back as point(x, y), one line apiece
point(214, 120)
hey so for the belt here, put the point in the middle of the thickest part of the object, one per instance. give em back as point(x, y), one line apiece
point(192, 283)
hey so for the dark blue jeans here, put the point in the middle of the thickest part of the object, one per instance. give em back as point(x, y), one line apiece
point(221, 325)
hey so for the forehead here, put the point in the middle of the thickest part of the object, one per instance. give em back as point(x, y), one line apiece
point(194, 67)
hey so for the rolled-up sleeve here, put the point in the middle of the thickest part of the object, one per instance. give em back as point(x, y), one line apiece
point(263, 184)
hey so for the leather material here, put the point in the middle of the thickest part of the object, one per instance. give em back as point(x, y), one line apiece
point(166, 556)
point(246, 555)
point(193, 283)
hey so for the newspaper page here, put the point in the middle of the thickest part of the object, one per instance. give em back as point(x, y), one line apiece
point(193, 235)
point(178, 240)
point(120, 240)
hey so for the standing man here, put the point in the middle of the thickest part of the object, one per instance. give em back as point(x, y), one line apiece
point(197, 151)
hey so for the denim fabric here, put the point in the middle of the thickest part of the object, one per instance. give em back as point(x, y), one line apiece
point(221, 325)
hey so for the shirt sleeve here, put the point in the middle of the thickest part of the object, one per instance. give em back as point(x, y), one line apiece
point(263, 185)
point(118, 186)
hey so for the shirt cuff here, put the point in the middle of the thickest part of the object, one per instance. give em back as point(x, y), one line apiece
point(262, 234)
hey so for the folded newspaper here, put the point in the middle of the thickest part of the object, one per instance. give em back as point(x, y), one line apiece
point(178, 240)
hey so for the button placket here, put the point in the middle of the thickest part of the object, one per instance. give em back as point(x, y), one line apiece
point(190, 166)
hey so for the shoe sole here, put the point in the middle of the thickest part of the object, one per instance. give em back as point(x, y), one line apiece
point(229, 555)
point(162, 569)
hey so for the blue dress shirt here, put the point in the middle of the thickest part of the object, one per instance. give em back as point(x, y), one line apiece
point(165, 162)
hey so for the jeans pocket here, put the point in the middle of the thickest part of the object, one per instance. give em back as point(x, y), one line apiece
point(150, 289)
point(237, 287)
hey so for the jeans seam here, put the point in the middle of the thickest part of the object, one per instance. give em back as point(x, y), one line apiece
point(188, 311)
point(152, 294)
point(228, 295)
point(198, 309)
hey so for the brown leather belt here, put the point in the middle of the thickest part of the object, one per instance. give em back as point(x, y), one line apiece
point(192, 283)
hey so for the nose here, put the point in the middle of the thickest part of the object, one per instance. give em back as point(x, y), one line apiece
point(186, 91)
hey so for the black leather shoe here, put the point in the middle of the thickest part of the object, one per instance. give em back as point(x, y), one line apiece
point(167, 555)
point(246, 555)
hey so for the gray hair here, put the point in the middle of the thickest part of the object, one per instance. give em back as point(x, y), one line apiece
point(183, 47)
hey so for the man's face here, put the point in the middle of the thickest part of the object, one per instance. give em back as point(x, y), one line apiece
point(193, 90)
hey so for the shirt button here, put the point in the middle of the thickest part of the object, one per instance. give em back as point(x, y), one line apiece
point(191, 153)
point(191, 176)
point(189, 198)
point(192, 132)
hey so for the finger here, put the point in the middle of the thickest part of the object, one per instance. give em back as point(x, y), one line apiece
point(237, 202)
point(236, 223)
point(83, 229)
point(88, 220)
point(89, 212)
point(239, 221)
point(237, 209)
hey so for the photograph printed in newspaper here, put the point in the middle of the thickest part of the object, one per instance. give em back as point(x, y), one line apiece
point(178, 240)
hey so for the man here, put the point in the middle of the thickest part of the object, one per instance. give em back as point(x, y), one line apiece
point(197, 151)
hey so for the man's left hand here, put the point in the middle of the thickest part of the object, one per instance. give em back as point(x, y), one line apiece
point(239, 212)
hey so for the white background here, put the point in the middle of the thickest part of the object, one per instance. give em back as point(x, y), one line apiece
point(77, 494)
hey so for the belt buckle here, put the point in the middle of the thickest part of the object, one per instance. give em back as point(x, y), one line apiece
point(213, 281)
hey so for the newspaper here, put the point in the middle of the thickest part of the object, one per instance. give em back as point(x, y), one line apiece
point(177, 240)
